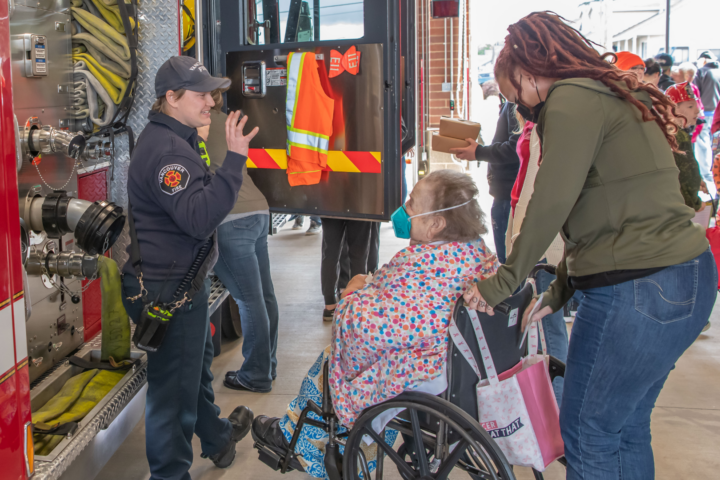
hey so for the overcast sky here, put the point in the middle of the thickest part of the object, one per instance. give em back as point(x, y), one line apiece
point(490, 19)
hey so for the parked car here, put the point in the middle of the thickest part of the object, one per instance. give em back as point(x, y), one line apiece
point(485, 77)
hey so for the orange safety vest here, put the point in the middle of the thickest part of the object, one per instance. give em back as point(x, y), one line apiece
point(309, 119)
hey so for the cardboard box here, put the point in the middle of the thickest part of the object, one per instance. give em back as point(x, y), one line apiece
point(444, 144)
point(458, 128)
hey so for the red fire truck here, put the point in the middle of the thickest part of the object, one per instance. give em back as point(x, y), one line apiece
point(63, 176)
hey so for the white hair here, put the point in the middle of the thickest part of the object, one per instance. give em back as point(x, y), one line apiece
point(688, 70)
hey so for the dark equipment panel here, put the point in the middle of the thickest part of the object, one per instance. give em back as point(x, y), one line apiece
point(372, 102)
point(342, 193)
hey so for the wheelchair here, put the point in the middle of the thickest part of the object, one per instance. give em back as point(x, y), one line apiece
point(438, 433)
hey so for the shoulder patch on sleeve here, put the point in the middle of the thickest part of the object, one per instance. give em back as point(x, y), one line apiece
point(173, 179)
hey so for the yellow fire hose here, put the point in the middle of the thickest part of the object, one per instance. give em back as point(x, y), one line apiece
point(78, 396)
point(115, 323)
point(103, 32)
point(81, 393)
point(114, 84)
point(105, 56)
point(111, 13)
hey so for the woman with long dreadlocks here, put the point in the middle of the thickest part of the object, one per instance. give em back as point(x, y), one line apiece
point(608, 183)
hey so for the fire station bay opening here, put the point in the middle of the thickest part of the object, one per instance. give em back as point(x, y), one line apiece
point(290, 21)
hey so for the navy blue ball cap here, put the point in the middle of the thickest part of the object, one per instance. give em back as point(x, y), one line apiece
point(186, 72)
point(664, 60)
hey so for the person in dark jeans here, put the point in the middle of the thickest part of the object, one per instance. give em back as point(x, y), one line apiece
point(336, 233)
point(503, 167)
point(244, 268)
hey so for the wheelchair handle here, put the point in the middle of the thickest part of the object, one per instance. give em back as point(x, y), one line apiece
point(542, 267)
point(503, 308)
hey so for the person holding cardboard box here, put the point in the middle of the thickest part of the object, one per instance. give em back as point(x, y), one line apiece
point(503, 166)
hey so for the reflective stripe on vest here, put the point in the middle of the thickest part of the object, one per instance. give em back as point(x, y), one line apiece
point(308, 117)
point(203, 152)
point(317, 143)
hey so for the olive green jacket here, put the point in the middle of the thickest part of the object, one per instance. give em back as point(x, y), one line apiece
point(608, 183)
point(689, 171)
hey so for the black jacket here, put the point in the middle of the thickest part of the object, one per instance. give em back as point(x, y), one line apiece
point(665, 82)
point(176, 202)
point(707, 80)
point(502, 155)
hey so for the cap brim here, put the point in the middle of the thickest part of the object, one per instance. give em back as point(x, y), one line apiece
point(209, 84)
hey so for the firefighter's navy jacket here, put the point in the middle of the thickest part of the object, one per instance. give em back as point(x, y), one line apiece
point(176, 202)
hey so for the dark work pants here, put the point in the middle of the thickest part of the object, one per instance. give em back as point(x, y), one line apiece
point(500, 215)
point(373, 258)
point(335, 232)
point(344, 277)
point(374, 252)
point(180, 398)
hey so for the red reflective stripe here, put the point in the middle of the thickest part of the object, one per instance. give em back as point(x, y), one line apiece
point(262, 159)
point(364, 161)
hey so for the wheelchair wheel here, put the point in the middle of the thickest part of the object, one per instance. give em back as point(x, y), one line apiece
point(427, 425)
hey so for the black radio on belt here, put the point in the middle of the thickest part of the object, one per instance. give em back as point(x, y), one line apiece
point(150, 331)
point(156, 316)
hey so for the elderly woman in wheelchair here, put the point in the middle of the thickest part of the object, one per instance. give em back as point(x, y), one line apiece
point(390, 332)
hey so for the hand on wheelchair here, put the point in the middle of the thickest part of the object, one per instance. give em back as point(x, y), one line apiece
point(537, 316)
point(473, 299)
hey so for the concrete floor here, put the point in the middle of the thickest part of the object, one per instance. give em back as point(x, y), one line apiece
point(686, 421)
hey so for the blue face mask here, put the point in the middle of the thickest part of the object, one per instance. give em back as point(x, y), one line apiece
point(402, 223)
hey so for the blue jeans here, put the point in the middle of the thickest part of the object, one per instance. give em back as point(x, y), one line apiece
point(180, 397)
point(704, 154)
point(625, 340)
point(244, 268)
point(556, 336)
point(499, 215)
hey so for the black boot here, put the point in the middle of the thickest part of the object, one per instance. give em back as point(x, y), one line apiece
point(241, 419)
point(266, 430)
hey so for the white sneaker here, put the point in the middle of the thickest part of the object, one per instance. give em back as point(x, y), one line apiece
point(314, 228)
point(298, 223)
point(706, 327)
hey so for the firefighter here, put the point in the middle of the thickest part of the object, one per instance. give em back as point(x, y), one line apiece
point(175, 205)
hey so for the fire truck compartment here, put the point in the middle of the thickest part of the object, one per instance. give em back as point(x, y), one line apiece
point(103, 429)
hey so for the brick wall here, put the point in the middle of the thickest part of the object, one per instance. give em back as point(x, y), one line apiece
point(437, 100)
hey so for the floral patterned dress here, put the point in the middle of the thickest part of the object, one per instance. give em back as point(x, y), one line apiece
point(389, 337)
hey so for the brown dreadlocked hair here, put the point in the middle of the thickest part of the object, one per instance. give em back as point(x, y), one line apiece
point(543, 44)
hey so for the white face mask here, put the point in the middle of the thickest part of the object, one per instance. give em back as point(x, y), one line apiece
point(443, 209)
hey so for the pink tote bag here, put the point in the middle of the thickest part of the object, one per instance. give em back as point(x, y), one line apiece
point(517, 408)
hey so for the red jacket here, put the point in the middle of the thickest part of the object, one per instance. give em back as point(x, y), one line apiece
point(716, 120)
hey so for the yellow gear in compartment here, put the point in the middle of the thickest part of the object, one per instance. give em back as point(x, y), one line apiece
point(188, 24)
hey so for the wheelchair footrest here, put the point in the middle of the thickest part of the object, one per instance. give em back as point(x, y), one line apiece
point(270, 457)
